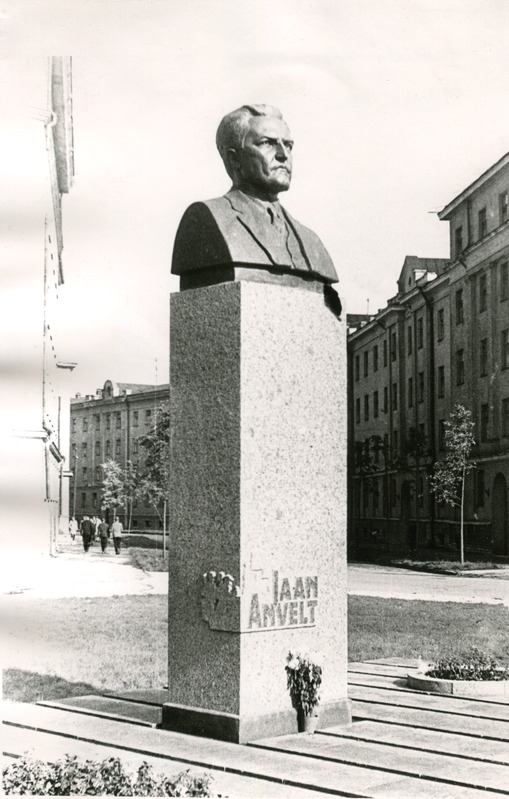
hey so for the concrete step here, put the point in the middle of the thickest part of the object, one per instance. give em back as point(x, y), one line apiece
point(273, 766)
point(460, 724)
point(463, 746)
point(110, 708)
point(408, 762)
point(494, 709)
point(49, 747)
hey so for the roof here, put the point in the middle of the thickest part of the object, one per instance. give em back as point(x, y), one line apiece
point(449, 209)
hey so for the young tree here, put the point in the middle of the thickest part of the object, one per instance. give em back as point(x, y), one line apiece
point(113, 490)
point(448, 480)
point(153, 483)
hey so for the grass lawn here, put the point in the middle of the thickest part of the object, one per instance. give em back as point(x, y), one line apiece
point(66, 647)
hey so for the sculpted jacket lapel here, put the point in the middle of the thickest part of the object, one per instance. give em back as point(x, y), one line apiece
point(252, 222)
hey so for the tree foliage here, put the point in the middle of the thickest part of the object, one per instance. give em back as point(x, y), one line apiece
point(113, 492)
point(448, 480)
point(154, 479)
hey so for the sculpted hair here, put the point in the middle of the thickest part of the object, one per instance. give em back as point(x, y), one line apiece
point(233, 127)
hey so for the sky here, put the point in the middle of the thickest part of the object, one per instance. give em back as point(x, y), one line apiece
point(395, 107)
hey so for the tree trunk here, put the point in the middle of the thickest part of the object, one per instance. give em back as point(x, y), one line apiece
point(462, 513)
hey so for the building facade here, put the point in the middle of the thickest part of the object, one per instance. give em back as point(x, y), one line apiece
point(105, 426)
point(34, 475)
point(442, 340)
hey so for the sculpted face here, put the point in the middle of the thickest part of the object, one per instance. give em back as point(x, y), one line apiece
point(264, 164)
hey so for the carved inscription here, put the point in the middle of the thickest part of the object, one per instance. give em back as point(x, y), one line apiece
point(293, 603)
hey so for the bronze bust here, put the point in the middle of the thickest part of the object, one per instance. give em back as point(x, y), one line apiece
point(248, 228)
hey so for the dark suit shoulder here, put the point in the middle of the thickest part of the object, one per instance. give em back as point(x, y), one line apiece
point(199, 241)
point(315, 250)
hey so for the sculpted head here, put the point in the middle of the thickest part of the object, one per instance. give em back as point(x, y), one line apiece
point(256, 147)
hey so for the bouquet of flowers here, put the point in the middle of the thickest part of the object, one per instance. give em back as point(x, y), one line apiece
point(304, 678)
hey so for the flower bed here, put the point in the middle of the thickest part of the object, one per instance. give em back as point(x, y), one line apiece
point(470, 673)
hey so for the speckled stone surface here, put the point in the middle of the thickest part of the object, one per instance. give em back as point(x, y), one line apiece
point(258, 491)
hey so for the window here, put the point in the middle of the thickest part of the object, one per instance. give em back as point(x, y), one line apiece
point(504, 282)
point(148, 416)
point(386, 399)
point(366, 364)
point(366, 407)
point(357, 368)
point(483, 357)
point(410, 392)
point(505, 416)
point(504, 351)
point(83, 499)
point(480, 488)
point(135, 446)
point(441, 434)
point(503, 206)
point(441, 381)
point(420, 395)
point(458, 241)
point(459, 306)
point(117, 448)
point(108, 421)
point(84, 473)
point(483, 292)
point(440, 324)
point(482, 223)
point(108, 449)
point(385, 352)
point(375, 358)
point(375, 404)
point(84, 449)
point(97, 421)
point(97, 451)
point(85, 425)
point(420, 333)
point(94, 499)
point(394, 396)
point(395, 443)
point(74, 420)
point(98, 474)
point(394, 346)
point(357, 410)
point(118, 420)
point(409, 340)
point(74, 451)
point(136, 419)
point(485, 412)
point(460, 367)
point(421, 492)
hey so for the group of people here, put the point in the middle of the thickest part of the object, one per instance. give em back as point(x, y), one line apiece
point(95, 527)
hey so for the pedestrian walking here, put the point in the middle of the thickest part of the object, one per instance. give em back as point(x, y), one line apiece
point(104, 534)
point(117, 531)
point(73, 528)
point(87, 529)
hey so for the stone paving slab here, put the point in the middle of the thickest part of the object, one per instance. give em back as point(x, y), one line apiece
point(408, 762)
point(463, 746)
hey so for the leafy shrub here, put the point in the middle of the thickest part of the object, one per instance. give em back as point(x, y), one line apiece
point(71, 777)
point(469, 665)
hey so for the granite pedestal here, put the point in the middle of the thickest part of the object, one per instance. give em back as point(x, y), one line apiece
point(257, 506)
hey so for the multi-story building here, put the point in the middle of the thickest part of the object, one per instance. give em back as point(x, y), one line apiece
point(442, 340)
point(105, 426)
point(33, 467)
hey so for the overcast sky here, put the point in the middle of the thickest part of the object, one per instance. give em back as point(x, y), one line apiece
point(395, 107)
